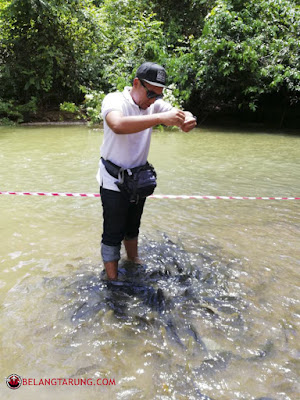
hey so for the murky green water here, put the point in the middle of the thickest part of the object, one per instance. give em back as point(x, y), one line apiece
point(228, 270)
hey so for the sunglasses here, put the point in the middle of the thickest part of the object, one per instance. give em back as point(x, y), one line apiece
point(151, 94)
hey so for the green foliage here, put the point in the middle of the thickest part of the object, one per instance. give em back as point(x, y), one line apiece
point(248, 50)
point(219, 54)
point(171, 95)
point(134, 36)
point(181, 71)
point(51, 48)
point(69, 107)
point(90, 109)
point(92, 104)
point(181, 18)
point(47, 48)
point(10, 111)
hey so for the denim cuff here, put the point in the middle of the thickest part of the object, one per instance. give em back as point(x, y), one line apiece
point(110, 253)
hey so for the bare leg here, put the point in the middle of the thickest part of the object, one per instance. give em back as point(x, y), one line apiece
point(131, 247)
point(111, 268)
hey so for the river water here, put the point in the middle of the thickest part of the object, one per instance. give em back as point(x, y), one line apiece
point(214, 310)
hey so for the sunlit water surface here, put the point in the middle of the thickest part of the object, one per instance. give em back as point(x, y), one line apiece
point(215, 307)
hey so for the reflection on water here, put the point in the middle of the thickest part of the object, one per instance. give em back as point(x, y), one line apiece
point(211, 313)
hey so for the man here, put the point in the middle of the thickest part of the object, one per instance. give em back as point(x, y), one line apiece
point(129, 117)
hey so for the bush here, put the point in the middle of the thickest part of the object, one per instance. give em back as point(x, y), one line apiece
point(10, 111)
point(48, 49)
point(248, 50)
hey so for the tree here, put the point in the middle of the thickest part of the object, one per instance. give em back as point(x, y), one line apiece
point(181, 18)
point(220, 54)
point(134, 35)
point(247, 51)
point(48, 49)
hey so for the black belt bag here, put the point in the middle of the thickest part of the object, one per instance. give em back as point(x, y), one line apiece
point(138, 182)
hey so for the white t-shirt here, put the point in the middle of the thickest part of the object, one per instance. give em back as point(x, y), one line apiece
point(125, 150)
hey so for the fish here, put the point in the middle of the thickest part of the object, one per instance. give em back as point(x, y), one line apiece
point(264, 398)
point(154, 298)
point(171, 280)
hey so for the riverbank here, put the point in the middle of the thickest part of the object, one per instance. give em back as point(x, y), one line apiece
point(213, 120)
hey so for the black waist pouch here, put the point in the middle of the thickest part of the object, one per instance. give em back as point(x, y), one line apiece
point(139, 182)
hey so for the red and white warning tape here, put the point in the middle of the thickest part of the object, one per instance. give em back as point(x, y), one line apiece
point(154, 196)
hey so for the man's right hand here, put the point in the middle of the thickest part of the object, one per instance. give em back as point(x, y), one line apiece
point(174, 117)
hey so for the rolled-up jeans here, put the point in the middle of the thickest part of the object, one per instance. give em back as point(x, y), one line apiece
point(121, 220)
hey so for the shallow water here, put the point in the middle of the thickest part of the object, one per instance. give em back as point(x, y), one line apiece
point(215, 309)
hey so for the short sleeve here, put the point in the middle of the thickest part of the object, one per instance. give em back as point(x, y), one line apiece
point(112, 102)
point(162, 106)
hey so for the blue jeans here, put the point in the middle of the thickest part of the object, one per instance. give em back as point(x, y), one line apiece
point(121, 220)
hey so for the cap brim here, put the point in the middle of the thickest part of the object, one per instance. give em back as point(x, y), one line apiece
point(154, 83)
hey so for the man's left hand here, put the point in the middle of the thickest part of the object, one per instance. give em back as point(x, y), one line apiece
point(189, 123)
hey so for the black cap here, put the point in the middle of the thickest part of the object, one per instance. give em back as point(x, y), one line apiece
point(152, 73)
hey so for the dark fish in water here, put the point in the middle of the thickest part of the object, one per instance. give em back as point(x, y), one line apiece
point(113, 296)
point(193, 333)
point(265, 398)
point(86, 311)
point(173, 283)
point(171, 330)
point(85, 370)
point(215, 364)
point(151, 297)
point(264, 352)
point(201, 396)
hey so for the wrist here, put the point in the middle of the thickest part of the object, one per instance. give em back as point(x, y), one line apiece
point(159, 119)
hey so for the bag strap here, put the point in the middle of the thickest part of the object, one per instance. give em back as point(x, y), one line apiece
point(111, 168)
point(118, 172)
